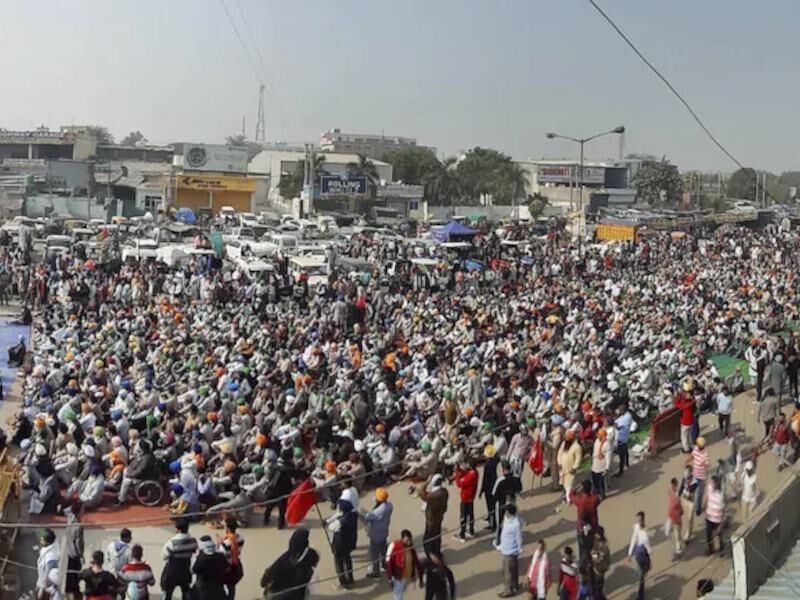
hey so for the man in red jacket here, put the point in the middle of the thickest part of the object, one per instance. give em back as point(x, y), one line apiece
point(402, 564)
point(684, 401)
point(466, 479)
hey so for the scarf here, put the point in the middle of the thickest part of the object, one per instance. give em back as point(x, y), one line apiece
point(539, 574)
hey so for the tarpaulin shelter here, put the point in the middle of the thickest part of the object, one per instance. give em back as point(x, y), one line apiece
point(453, 231)
point(186, 215)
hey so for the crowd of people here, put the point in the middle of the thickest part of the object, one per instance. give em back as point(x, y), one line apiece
point(230, 393)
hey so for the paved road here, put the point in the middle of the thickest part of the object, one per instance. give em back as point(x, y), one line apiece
point(477, 566)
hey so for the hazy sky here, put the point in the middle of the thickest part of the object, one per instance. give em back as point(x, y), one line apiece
point(454, 74)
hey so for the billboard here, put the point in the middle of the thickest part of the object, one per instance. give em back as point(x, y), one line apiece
point(211, 183)
point(337, 185)
point(214, 157)
point(569, 174)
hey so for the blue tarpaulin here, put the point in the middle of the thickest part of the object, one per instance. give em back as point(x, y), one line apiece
point(452, 230)
point(185, 215)
point(9, 332)
point(473, 265)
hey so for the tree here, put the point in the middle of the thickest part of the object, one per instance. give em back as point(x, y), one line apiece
point(658, 183)
point(508, 184)
point(240, 140)
point(742, 185)
point(443, 185)
point(536, 205)
point(291, 184)
point(411, 165)
point(133, 138)
point(482, 172)
point(101, 133)
point(364, 168)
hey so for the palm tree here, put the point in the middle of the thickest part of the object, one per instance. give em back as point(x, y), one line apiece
point(517, 181)
point(442, 184)
point(365, 168)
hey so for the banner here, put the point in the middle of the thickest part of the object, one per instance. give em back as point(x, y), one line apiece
point(569, 174)
point(211, 183)
point(335, 185)
point(214, 157)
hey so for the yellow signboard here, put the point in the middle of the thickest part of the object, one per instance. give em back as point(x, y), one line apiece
point(216, 183)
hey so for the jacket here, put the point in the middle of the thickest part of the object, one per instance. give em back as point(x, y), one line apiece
point(142, 467)
point(46, 563)
point(506, 489)
point(467, 482)
point(685, 403)
point(489, 476)
point(210, 569)
point(436, 505)
point(137, 576)
point(396, 559)
point(118, 554)
point(345, 537)
point(378, 520)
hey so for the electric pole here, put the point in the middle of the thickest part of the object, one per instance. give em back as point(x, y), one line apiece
point(261, 125)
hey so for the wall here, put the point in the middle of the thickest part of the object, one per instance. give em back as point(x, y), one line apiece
point(765, 540)
point(76, 207)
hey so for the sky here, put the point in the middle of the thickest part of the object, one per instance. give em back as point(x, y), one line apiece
point(453, 74)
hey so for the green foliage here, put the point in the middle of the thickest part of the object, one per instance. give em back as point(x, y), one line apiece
point(101, 133)
point(365, 168)
point(291, 184)
point(658, 183)
point(411, 165)
point(742, 185)
point(536, 205)
point(443, 185)
point(483, 172)
point(133, 138)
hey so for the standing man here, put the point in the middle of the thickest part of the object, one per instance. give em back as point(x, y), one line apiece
point(136, 576)
point(684, 402)
point(601, 457)
point(290, 575)
point(487, 486)
point(700, 462)
point(570, 456)
point(623, 423)
point(466, 478)
point(47, 565)
point(402, 564)
point(435, 497)
point(639, 551)
point(777, 376)
point(118, 552)
point(98, 583)
point(675, 516)
point(177, 554)
point(511, 549)
point(505, 492)
point(438, 578)
point(73, 538)
point(715, 513)
point(768, 411)
point(724, 409)
point(686, 491)
point(519, 449)
point(586, 504)
point(378, 521)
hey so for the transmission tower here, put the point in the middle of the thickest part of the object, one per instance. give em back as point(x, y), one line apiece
point(260, 137)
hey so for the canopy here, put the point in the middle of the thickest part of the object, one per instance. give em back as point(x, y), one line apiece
point(451, 230)
point(185, 215)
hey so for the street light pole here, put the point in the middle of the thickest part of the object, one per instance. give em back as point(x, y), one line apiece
point(581, 141)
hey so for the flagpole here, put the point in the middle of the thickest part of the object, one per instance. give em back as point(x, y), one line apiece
point(324, 526)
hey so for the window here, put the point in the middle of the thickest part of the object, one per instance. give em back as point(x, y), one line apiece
point(152, 203)
point(413, 205)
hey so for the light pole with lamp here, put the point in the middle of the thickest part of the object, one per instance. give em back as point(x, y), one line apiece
point(581, 141)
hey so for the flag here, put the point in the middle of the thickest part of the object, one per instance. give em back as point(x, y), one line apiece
point(300, 502)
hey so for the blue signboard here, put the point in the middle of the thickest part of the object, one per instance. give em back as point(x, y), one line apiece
point(336, 185)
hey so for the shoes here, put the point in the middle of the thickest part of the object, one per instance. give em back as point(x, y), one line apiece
point(373, 575)
point(496, 544)
point(470, 535)
point(459, 538)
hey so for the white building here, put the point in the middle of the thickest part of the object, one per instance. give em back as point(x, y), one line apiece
point(604, 183)
point(372, 145)
point(272, 165)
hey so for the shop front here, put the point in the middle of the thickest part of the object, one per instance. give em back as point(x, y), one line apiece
point(209, 191)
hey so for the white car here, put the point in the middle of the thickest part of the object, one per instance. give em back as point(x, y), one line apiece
point(252, 266)
point(140, 249)
point(56, 245)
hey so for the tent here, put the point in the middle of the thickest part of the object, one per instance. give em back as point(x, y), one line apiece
point(185, 215)
point(453, 230)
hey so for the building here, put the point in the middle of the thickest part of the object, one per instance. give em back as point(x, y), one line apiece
point(210, 176)
point(70, 142)
point(139, 152)
point(271, 166)
point(374, 146)
point(605, 183)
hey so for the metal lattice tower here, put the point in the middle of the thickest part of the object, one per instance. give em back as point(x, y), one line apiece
point(261, 125)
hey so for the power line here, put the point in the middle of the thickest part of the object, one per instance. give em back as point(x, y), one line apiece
point(251, 37)
point(677, 94)
point(241, 40)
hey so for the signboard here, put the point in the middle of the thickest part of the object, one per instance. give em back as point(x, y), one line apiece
point(221, 183)
point(214, 157)
point(569, 174)
point(336, 185)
